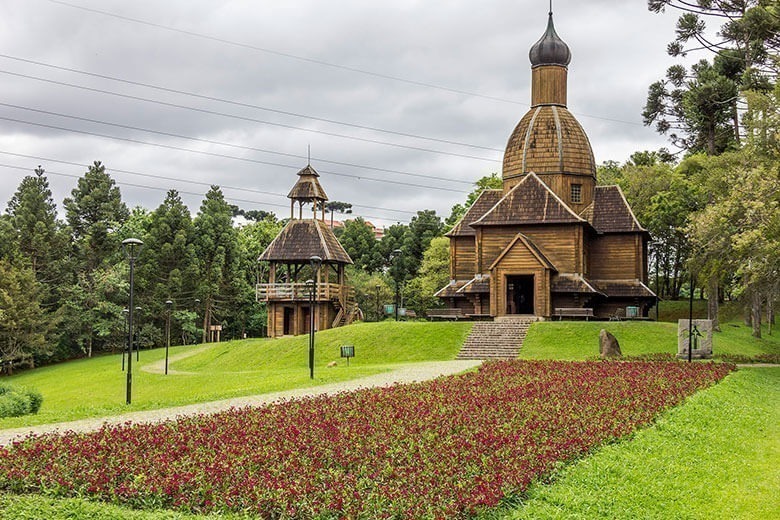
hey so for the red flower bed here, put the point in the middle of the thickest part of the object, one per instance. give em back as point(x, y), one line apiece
point(440, 449)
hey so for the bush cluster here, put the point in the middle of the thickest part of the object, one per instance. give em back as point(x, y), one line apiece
point(16, 401)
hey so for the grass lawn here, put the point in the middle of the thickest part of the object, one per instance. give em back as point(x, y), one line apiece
point(578, 340)
point(96, 387)
point(714, 457)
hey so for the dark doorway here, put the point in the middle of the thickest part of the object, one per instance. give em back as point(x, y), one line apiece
point(306, 316)
point(520, 294)
point(289, 312)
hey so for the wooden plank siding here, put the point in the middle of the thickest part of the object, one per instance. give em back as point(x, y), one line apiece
point(548, 85)
point(561, 244)
point(618, 257)
point(463, 255)
point(519, 260)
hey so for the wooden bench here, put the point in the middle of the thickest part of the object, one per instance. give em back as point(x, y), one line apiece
point(445, 314)
point(574, 312)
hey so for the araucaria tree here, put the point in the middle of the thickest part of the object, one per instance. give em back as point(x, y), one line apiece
point(218, 283)
point(94, 213)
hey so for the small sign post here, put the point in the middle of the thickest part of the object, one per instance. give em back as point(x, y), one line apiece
point(347, 351)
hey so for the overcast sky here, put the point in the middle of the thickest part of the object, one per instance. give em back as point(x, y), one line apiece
point(452, 75)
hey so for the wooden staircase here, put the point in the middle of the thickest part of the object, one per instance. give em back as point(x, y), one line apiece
point(500, 339)
point(346, 314)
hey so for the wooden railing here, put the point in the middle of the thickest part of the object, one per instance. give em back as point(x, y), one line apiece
point(301, 291)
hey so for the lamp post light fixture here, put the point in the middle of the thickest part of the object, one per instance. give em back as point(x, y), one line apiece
point(168, 305)
point(315, 262)
point(132, 248)
point(378, 308)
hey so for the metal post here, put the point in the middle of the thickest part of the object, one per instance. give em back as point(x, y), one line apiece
point(396, 299)
point(311, 285)
point(138, 343)
point(126, 346)
point(690, 323)
point(657, 288)
point(129, 245)
point(168, 304)
point(378, 308)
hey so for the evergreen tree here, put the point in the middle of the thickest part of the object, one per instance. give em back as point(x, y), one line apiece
point(94, 212)
point(220, 286)
point(169, 269)
point(38, 233)
point(23, 323)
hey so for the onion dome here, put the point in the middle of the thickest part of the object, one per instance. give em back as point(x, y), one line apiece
point(548, 139)
point(550, 49)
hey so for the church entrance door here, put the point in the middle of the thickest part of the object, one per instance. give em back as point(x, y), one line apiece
point(520, 294)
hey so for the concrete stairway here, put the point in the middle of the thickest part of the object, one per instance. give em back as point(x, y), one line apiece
point(500, 339)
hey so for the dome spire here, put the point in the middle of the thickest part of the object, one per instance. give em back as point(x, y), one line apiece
point(550, 49)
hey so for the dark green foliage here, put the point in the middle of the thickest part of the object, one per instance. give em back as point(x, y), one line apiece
point(16, 401)
point(359, 243)
point(488, 182)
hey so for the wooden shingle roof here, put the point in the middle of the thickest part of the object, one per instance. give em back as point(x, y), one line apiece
point(451, 290)
point(548, 139)
point(624, 288)
point(610, 212)
point(303, 238)
point(307, 188)
point(529, 202)
point(572, 283)
point(486, 200)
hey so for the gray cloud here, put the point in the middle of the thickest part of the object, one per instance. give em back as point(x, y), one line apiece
point(618, 49)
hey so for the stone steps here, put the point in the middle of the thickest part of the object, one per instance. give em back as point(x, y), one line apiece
point(500, 339)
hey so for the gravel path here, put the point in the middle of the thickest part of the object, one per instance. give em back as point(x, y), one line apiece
point(403, 374)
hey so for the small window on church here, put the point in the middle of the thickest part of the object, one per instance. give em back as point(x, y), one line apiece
point(576, 193)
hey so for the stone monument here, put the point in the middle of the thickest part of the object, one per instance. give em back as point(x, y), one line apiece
point(701, 332)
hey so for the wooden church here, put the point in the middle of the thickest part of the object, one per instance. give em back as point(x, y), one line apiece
point(551, 242)
point(306, 268)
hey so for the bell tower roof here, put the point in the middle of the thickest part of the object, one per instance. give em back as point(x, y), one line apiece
point(550, 49)
point(308, 188)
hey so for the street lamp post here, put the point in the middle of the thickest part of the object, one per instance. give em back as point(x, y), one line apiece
point(132, 248)
point(378, 308)
point(197, 308)
point(315, 262)
point(168, 305)
point(137, 340)
point(126, 346)
point(690, 321)
point(394, 258)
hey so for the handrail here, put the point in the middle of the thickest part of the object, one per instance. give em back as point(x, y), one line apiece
point(300, 291)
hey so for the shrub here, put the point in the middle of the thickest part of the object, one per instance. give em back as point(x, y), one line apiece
point(15, 402)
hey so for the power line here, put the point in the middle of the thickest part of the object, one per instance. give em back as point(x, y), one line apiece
point(248, 105)
point(288, 55)
point(158, 188)
point(220, 143)
point(322, 62)
point(244, 118)
point(163, 177)
point(224, 156)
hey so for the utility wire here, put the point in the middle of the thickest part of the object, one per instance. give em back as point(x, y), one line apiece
point(248, 105)
point(158, 188)
point(244, 118)
point(224, 156)
point(221, 143)
point(322, 62)
point(288, 55)
point(187, 181)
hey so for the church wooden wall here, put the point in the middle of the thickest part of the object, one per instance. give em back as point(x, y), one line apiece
point(463, 258)
point(617, 257)
point(560, 184)
point(562, 245)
